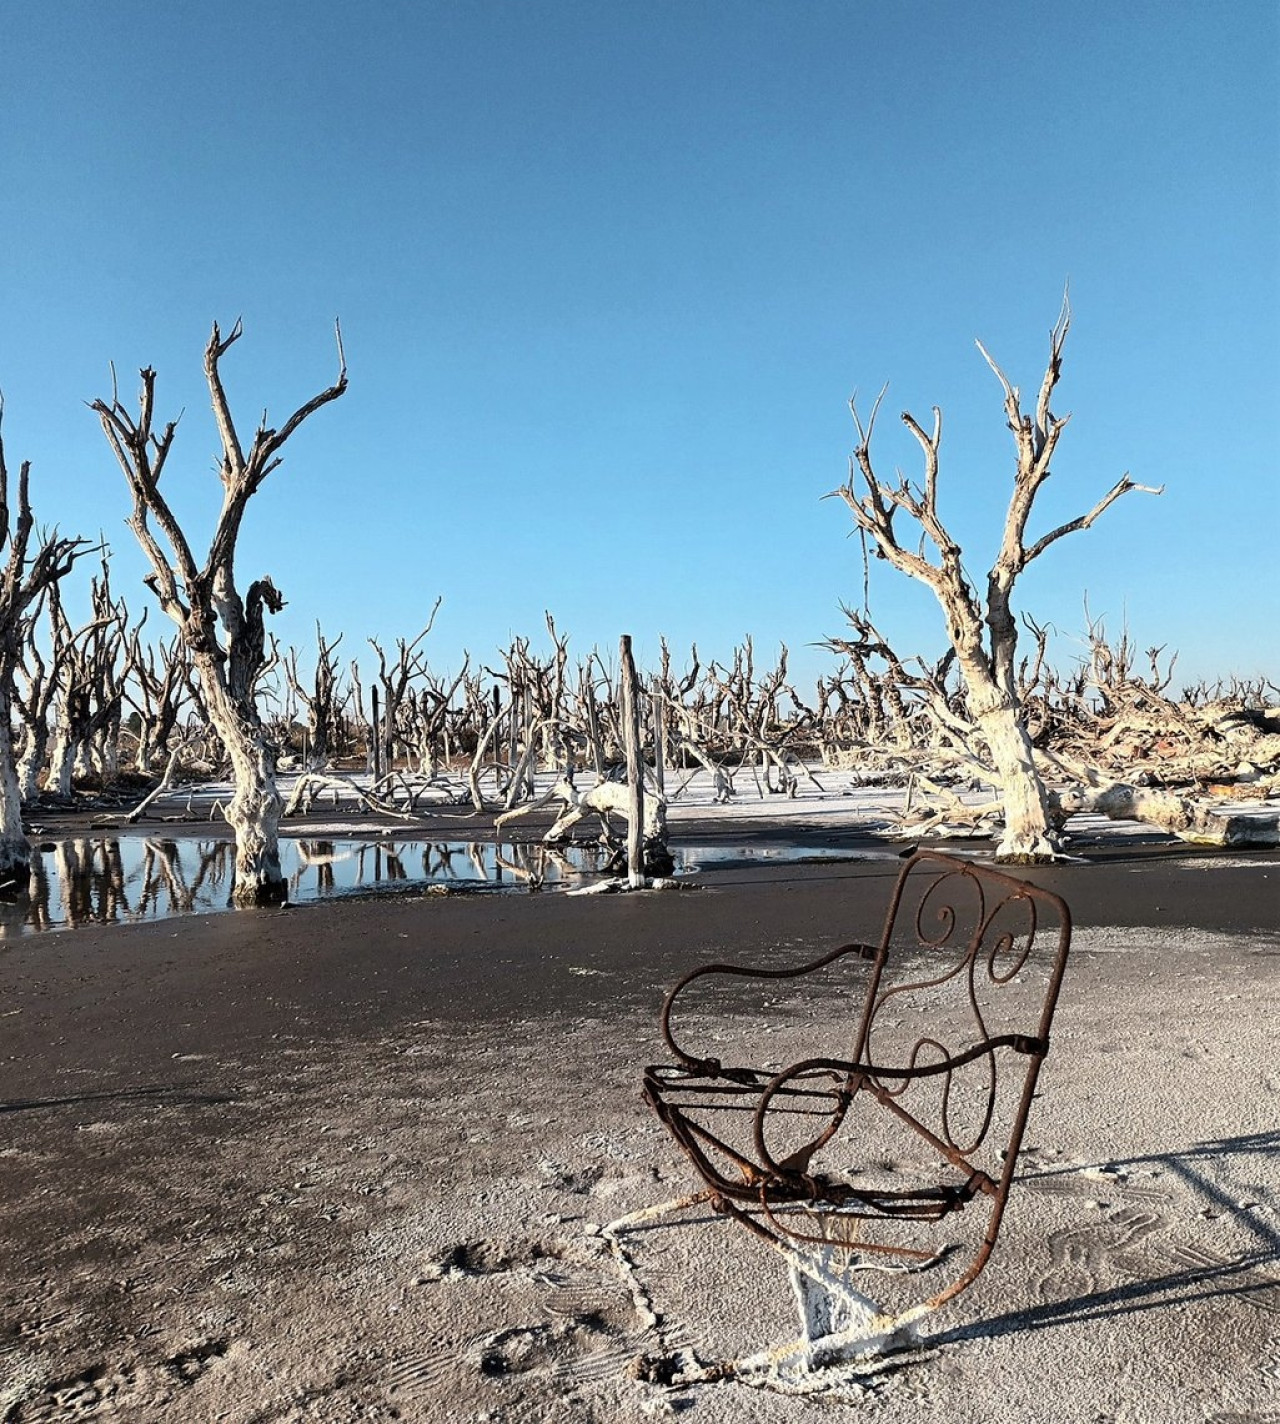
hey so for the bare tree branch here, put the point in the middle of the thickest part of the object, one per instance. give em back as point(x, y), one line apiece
point(1122, 486)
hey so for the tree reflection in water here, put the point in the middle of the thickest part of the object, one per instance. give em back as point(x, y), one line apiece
point(109, 880)
point(92, 880)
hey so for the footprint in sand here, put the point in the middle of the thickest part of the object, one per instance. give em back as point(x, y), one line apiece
point(512, 1352)
point(1084, 1256)
point(593, 1330)
point(469, 1259)
point(579, 1181)
point(414, 1377)
point(97, 1390)
point(101, 1390)
point(188, 1365)
point(605, 1331)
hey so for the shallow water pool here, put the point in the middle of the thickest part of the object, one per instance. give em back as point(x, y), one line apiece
point(132, 878)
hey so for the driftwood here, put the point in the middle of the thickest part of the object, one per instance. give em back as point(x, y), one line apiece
point(164, 784)
point(604, 799)
point(1179, 816)
point(311, 784)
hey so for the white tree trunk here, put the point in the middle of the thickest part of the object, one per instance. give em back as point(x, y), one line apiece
point(1028, 827)
point(15, 850)
point(84, 763)
point(144, 754)
point(32, 763)
point(105, 751)
point(254, 815)
point(254, 811)
point(62, 764)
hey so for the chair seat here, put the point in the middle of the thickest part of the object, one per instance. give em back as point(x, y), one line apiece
point(739, 1091)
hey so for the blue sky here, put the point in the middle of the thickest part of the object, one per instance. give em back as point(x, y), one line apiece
point(608, 275)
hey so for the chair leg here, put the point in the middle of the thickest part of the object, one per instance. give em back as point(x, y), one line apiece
point(827, 1311)
point(839, 1325)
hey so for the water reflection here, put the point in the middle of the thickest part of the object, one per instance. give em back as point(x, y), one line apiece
point(100, 880)
point(96, 880)
point(92, 880)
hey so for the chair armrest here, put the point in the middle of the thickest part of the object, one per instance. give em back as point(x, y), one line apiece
point(711, 1067)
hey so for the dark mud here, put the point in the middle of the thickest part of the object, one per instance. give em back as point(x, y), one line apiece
point(334, 1162)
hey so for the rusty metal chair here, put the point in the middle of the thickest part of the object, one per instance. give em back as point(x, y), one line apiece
point(863, 1157)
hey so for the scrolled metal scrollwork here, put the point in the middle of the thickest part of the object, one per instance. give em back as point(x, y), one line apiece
point(1007, 941)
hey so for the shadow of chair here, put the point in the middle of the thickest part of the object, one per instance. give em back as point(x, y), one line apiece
point(1199, 1273)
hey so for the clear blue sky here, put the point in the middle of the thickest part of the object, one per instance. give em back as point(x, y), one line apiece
point(608, 275)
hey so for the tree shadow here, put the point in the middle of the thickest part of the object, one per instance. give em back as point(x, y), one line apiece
point(174, 1094)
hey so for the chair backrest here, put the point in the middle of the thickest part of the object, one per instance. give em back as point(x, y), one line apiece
point(964, 988)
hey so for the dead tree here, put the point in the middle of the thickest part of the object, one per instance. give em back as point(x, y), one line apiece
point(396, 679)
point(1113, 724)
point(36, 689)
point(907, 709)
point(24, 576)
point(100, 751)
point(323, 704)
point(157, 685)
point(222, 629)
point(670, 696)
point(535, 723)
point(982, 629)
point(426, 722)
point(87, 735)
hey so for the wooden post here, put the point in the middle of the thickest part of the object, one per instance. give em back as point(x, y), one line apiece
point(659, 711)
point(375, 737)
point(513, 739)
point(593, 723)
point(531, 775)
point(635, 766)
point(388, 737)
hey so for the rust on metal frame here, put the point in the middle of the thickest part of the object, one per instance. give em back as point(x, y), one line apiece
point(987, 928)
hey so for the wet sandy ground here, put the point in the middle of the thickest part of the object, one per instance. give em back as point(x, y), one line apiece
point(339, 1163)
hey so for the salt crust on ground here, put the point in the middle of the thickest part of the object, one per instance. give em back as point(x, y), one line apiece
point(822, 796)
point(304, 1207)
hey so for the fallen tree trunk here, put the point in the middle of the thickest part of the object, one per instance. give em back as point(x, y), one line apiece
point(1179, 816)
point(311, 783)
point(605, 798)
point(166, 781)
